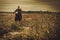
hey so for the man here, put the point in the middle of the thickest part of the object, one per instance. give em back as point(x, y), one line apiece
point(18, 15)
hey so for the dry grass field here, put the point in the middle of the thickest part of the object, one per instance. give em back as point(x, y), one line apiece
point(33, 26)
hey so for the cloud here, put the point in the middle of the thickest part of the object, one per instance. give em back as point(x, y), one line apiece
point(50, 5)
point(54, 3)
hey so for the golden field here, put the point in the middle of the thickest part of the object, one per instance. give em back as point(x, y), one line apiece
point(33, 26)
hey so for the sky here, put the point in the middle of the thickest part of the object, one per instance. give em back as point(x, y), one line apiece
point(30, 5)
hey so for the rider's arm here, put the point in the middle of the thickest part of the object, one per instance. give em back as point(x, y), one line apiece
point(15, 11)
